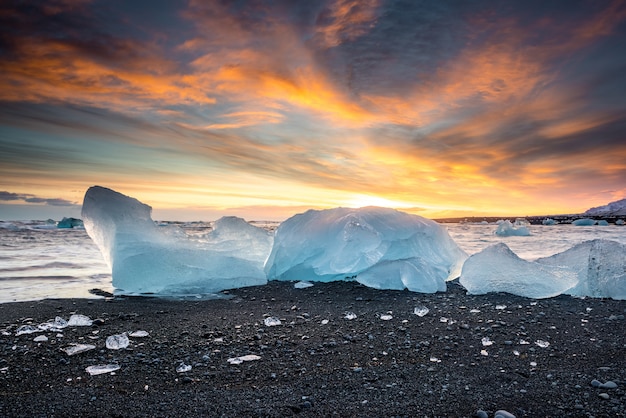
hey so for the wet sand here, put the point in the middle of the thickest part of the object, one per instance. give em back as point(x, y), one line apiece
point(468, 353)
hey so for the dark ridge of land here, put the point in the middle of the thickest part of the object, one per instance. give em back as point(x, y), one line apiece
point(534, 220)
point(468, 353)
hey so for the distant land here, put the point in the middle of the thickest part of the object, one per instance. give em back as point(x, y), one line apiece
point(610, 212)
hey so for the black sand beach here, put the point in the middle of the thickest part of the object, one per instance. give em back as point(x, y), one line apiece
point(370, 366)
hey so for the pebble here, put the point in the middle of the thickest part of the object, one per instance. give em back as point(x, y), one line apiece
point(503, 414)
point(604, 395)
point(481, 414)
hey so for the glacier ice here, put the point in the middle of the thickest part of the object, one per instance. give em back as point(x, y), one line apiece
point(549, 221)
point(600, 265)
point(507, 229)
point(498, 269)
point(584, 222)
point(378, 247)
point(145, 258)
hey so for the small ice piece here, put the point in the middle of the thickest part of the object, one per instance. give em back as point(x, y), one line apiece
point(486, 341)
point(484, 353)
point(271, 321)
point(117, 342)
point(40, 338)
point(386, 317)
point(516, 353)
point(77, 349)
point(183, 368)
point(78, 320)
point(350, 316)
point(498, 269)
point(443, 319)
point(533, 364)
point(139, 334)
point(102, 369)
point(241, 359)
point(26, 329)
point(507, 229)
point(542, 344)
point(303, 285)
point(324, 321)
point(435, 360)
point(379, 247)
point(549, 221)
point(503, 414)
point(500, 307)
point(55, 324)
point(421, 311)
point(474, 310)
point(523, 342)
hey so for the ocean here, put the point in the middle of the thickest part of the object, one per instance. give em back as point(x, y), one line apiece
point(39, 260)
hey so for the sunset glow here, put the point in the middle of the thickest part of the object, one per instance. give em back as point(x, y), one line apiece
point(209, 108)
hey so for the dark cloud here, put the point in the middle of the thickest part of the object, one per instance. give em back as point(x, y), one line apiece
point(28, 198)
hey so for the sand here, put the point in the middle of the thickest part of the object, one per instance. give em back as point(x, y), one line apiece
point(468, 353)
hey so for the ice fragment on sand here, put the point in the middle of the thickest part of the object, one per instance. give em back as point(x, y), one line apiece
point(378, 247)
point(486, 341)
point(40, 338)
point(350, 316)
point(26, 329)
point(138, 334)
point(241, 359)
point(102, 369)
point(77, 349)
point(146, 259)
point(600, 266)
point(421, 310)
point(57, 323)
point(484, 353)
point(498, 269)
point(324, 321)
point(78, 320)
point(117, 342)
point(183, 368)
point(302, 285)
point(386, 317)
point(271, 321)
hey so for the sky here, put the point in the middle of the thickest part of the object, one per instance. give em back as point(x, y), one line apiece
point(264, 109)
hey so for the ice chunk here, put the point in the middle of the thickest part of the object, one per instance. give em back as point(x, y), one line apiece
point(77, 349)
point(26, 329)
point(620, 222)
point(138, 334)
point(78, 320)
point(421, 310)
point(302, 285)
point(55, 324)
point(147, 259)
point(183, 368)
point(549, 221)
point(271, 321)
point(584, 222)
point(350, 316)
point(102, 369)
point(117, 342)
point(507, 229)
point(379, 247)
point(241, 359)
point(600, 265)
point(498, 269)
point(602, 222)
point(69, 223)
point(40, 338)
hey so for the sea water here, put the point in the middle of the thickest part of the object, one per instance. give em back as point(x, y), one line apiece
point(38, 260)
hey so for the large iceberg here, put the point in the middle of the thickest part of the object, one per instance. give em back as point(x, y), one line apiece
point(378, 247)
point(600, 265)
point(498, 269)
point(145, 258)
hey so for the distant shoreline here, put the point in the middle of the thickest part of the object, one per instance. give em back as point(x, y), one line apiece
point(534, 220)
